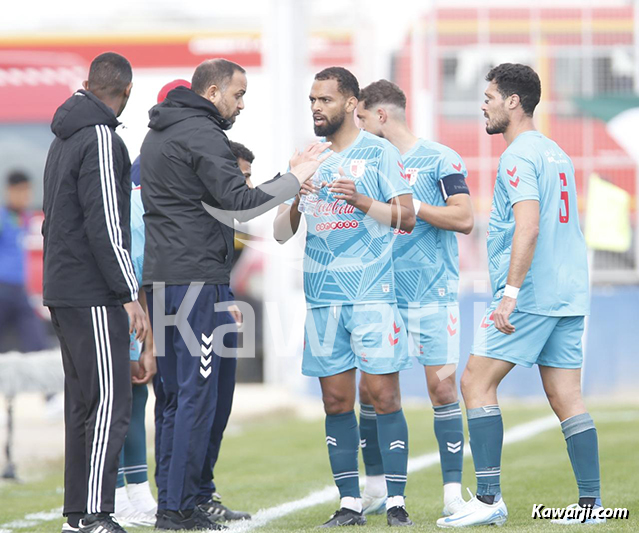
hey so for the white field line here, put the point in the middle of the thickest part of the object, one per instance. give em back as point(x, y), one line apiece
point(30, 520)
point(329, 493)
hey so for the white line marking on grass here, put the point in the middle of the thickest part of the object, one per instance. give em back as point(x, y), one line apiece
point(329, 493)
point(30, 520)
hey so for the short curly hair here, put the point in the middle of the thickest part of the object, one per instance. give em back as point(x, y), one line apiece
point(382, 92)
point(514, 78)
point(346, 82)
point(241, 152)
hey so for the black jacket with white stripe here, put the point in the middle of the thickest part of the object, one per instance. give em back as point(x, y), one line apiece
point(87, 191)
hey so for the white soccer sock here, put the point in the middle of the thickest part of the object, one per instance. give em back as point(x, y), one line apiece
point(395, 501)
point(141, 497)
point(122, 504)
point(452, 491)
point(375, 486)
point(354, 504)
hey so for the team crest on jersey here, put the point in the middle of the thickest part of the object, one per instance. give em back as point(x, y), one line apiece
point(413, 174)
point(358, 167)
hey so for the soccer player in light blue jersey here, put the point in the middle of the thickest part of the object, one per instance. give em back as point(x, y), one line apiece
point(352, 320)
point(539, 275)
point(426, 265)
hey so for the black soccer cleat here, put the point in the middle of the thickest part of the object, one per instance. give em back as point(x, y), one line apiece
point(177, 520)
point(345, 517)
point(398, 517)
point(217, 511)
point(100, 523)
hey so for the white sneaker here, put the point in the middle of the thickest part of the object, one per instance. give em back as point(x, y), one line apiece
point(453, 506)
point(373, 504)
point(68, 528)
point(141, 498)
point(477, 513)
point(578, 520)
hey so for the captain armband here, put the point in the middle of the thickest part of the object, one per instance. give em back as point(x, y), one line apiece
point(453, 184)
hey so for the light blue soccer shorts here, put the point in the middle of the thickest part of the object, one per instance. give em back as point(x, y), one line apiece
point(543, 340)
point(135, 347)
point(370, 336)
point(433, 332)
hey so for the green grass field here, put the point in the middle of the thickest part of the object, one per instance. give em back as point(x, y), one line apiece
point(279, 459)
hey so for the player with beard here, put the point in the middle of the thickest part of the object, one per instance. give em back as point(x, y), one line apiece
point(426, 264)
point(539, 276)
point(352, 320)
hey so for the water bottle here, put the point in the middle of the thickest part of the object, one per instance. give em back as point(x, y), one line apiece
point(308, 202)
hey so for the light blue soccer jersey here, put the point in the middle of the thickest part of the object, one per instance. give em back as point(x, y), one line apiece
point(137, 232)
point(534, 167)
point(426, 260)
point(348, 257)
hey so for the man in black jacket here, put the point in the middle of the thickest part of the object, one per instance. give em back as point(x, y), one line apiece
point(192, 188)
point(90, 287)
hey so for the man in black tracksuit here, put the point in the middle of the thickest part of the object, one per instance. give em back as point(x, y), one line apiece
point(186, 161)
point(90, 287)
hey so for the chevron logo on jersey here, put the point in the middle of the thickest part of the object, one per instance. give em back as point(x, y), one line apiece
point(413, 174)
point(358, 167)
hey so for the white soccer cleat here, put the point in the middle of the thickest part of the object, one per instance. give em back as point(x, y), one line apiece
point(566, 521)
point(477, 513)
point(453, 506)
point(135, 519)
point(373, 504)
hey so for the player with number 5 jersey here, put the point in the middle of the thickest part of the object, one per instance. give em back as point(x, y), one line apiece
point(539, 274)
point(534, 167)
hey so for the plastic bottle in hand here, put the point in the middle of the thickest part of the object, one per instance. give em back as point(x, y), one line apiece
point(308, 202)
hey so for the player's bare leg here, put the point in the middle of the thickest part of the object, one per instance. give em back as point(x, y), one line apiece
point(563, 389)
point(449, 430)
point(374, 494)
point(342, 440)
point(479, 385)
point(392, 433)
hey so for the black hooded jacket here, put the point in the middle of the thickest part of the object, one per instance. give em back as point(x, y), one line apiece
point(186, 162)
point(87, 191)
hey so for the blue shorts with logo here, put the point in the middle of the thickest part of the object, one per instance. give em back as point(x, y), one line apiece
point(433, 332)
point(369, 336)
point(543, 340)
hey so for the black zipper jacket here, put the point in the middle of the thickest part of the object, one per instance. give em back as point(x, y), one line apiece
point(87, 192)
point(186, 162)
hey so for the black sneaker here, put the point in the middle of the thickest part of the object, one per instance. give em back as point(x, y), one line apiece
point(217, 511)
point(204, 522)
point(345, 517)
point(176, 520)
point(398, 517)
point(100, 523)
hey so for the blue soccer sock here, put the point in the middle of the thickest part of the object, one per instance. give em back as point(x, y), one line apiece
point(581, 441)
point(369, 441)
point(486, 432)
point(449, 430)
point(134, 459)
point(342, 440)
point(392, 432)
